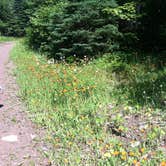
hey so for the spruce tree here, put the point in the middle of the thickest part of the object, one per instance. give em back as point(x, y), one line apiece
point(82, 29)
point(5, 15)
point(18, 19)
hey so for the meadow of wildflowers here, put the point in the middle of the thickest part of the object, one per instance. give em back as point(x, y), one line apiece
point(88, 123)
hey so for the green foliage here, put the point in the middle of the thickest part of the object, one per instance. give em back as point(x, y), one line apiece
point(139, 24)
point(125, 12)
point(18, 22)
point(79, 28)
point(38, 33)
point(127, 17)
point(140, 77)
point(13, 19)
point(5, 14)
point(15, 15)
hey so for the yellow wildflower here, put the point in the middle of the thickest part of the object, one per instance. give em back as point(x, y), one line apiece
point(123, 157)
point(108, 155)
point(66, 161)
point(115, 153)
point(123, 153)
point(131, 154)
point(70, 143)
point(142, 150)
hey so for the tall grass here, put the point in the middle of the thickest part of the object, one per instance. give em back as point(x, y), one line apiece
point(74, 102)
point(141, 79)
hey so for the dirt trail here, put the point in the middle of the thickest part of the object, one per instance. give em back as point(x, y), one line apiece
point(20, 140)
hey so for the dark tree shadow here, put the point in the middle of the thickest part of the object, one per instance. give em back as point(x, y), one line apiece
point(147, 92)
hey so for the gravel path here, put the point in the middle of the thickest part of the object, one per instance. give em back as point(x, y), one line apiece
point(20, 140)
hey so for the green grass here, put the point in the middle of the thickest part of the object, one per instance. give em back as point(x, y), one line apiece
point(141, 80)
point(84, 107)
point(6, 39)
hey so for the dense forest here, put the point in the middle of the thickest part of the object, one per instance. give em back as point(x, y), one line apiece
point(93, 27)
point(93, 71)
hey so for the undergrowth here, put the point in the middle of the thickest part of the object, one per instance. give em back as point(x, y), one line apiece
point(100, 112)
point(6, 39)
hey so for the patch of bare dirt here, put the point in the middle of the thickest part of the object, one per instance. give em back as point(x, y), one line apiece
point(21, 142)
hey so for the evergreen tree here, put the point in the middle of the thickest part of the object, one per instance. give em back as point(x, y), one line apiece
point(82, 29)
point(19, 19)
point(5, 14)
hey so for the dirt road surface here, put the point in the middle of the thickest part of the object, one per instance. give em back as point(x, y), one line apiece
point(21, 142)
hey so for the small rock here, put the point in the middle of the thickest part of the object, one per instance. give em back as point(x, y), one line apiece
point(27, 157)
point(10, 138)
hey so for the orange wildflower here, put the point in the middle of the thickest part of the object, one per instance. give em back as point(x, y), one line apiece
point(136, 163)
point(68, 84)
point(163, 163)
point(64, 91)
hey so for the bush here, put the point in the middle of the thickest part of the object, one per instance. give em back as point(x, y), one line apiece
point(38, 33)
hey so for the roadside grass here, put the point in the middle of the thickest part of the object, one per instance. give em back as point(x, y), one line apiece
point(6, 39)
point(92, 110)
